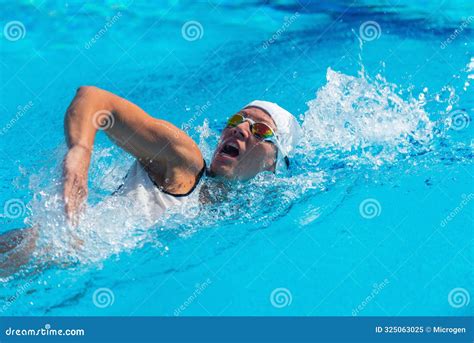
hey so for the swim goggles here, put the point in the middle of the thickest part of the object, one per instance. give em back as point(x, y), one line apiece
point(260, 130)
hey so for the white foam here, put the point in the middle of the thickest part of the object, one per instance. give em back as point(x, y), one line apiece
point(352, 114)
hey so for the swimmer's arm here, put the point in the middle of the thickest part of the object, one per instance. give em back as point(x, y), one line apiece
point(156, 143)
point(145, 137)
point(16, 249)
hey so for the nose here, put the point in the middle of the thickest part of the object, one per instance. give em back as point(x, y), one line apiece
point(242, 130)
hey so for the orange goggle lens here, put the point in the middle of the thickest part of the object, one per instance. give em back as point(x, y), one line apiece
point(261, 130)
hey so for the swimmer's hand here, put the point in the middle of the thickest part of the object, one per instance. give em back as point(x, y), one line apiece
point(75, 172)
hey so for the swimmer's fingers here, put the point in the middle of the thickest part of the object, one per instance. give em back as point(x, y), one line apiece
point(68, 199)
point(75, 171)
point(75, 196)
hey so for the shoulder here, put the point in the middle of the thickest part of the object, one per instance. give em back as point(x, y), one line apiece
point(178, 171)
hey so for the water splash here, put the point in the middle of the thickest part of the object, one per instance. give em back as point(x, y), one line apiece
point(354, 122)
point(365, 121)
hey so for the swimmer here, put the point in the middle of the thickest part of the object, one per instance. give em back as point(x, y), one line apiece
point(169, 165)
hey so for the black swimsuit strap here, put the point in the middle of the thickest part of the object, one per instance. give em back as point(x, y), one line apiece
point(198, 179)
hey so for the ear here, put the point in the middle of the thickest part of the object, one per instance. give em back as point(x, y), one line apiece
point(272, 168)
point(270, 163)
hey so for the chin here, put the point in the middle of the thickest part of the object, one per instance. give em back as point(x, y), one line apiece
point(228, 173)
point(217, 169)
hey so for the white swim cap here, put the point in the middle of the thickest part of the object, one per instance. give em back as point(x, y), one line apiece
point(288, 130)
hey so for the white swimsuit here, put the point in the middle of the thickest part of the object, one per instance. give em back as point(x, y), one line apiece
point(121, 220)
point(153, 200)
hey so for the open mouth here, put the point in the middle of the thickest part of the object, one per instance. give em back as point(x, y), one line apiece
point(230, 149)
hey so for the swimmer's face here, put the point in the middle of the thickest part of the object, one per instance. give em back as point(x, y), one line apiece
point(240, 154)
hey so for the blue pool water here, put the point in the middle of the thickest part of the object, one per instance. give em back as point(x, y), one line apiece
point(376, 218)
